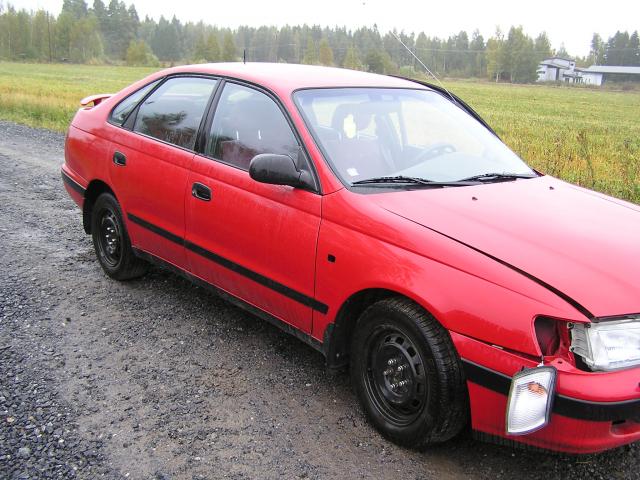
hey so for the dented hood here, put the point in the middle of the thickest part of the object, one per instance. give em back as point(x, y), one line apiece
point(582, 243)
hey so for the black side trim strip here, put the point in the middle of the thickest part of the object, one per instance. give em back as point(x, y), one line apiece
point(155, 229)
point(299, 334)
point(72, 183)
point(565, 406)
point(485, 377)
point(235, 267)
point(258, 278)
point(579, 307)
point(596, 411)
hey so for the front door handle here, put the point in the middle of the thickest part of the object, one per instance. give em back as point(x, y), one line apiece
point(201, 192)
point(119, 159)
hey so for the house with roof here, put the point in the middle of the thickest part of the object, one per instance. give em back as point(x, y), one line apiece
point(557, 69)
point(598, 74)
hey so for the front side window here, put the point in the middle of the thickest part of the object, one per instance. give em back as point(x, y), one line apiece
point(247, 123)
point(173, 112)
point(125, 107)
point(368, 133)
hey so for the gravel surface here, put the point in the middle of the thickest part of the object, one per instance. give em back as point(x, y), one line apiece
point(158, 379)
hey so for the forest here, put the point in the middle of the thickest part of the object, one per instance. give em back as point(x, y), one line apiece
point(114, 34)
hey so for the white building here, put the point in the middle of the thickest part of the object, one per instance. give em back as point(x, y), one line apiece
point(598, 74)
point(558, 69)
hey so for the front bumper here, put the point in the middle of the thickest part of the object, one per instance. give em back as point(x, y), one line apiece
point(592, 412)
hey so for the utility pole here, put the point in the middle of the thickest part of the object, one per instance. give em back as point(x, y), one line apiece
point(49, 30)
point(275, 48)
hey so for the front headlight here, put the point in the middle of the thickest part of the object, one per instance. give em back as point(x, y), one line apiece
point(608, 345)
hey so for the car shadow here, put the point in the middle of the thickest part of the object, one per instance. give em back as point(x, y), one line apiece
point(330, 392)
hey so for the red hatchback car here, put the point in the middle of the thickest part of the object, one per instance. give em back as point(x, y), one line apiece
point(384, 223)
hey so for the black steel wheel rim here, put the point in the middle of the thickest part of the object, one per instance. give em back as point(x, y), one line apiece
point(395, 377)
point(110, 238)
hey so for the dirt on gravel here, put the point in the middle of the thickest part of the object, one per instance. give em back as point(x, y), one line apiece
point(158, 379)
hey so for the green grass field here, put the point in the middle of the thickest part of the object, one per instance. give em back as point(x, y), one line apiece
point(586, 136)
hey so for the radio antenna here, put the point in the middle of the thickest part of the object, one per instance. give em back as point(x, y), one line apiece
point(424, 66)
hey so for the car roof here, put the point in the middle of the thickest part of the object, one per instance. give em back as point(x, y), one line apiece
point(286, 78)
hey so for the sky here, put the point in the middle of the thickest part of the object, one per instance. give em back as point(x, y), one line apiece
point(570, 22)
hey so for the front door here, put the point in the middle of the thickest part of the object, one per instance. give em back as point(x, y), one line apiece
point(253, 240)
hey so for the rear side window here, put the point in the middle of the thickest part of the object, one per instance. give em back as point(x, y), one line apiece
point(125, 107)
point(173, 112)
point(246, 123)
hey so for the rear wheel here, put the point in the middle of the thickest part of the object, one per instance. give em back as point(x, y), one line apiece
point(407, 374)
point(111, 241)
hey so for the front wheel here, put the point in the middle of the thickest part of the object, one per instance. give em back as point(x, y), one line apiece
point(407, 374)
point(111, 241)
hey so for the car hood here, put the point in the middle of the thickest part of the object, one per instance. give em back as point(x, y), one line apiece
point(582, 243)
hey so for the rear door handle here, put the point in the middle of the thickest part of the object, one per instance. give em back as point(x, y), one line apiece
point(119, 159)
point(201, 192)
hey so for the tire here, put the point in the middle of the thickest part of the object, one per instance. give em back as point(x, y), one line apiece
point(111, 240)
point(397, 341)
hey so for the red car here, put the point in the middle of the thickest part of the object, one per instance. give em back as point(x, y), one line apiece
point(384, 223)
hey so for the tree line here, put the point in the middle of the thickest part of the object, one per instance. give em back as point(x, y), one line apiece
point(114, 33)
point(621, 49)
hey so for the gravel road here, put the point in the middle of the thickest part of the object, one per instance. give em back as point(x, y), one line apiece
point(158, 379)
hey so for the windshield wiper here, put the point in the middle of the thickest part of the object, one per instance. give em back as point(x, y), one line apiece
point(497, 176)
point(401, 179)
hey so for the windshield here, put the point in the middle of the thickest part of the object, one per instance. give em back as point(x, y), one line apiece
point(369, 133)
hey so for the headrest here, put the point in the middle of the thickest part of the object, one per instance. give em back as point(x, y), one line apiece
point(350, 118)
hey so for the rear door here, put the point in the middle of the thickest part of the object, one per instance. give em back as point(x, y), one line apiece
point(151, 156)
point(253, 240)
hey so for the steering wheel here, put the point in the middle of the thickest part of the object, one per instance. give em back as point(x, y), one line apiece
point(434, 151)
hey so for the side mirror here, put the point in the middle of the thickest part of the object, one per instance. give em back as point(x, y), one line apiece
point(279, 170)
